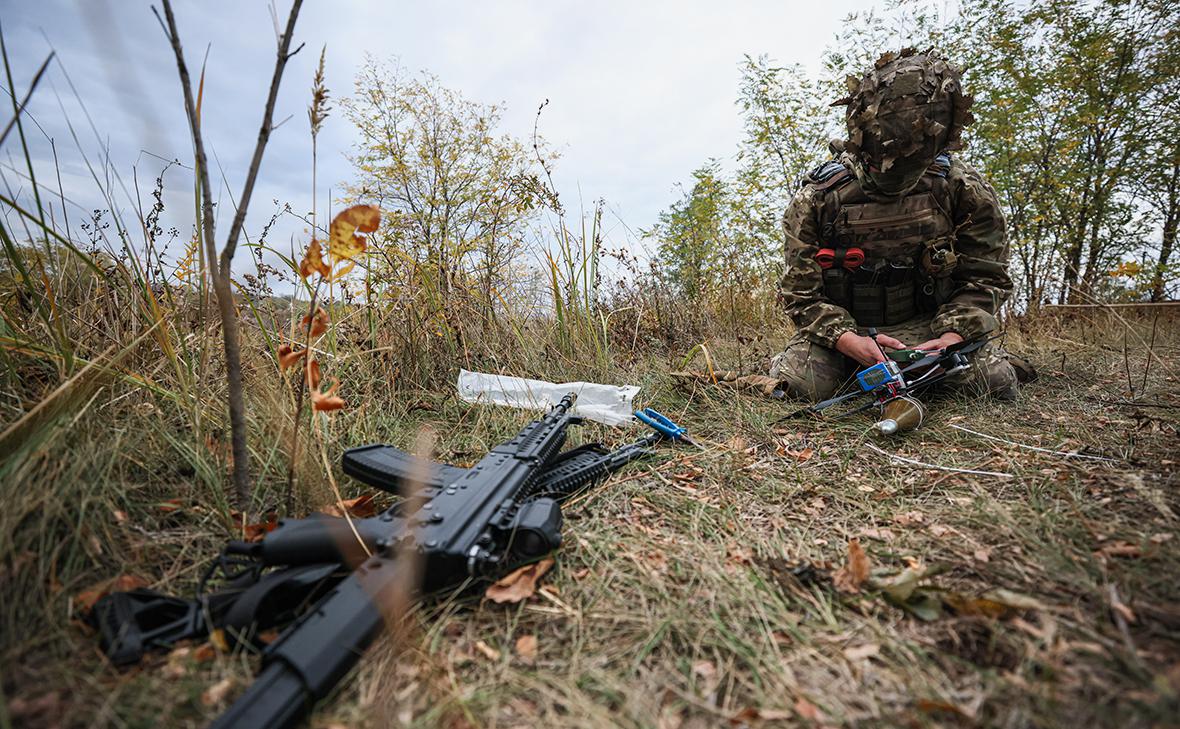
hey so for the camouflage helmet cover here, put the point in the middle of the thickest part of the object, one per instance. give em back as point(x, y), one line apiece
point(906, 110)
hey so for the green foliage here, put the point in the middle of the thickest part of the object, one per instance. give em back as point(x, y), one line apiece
point(1078, 130)
point(458, 201)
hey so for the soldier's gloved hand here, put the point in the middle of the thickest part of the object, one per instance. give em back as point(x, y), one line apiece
point(863, 350)
point(942, 342)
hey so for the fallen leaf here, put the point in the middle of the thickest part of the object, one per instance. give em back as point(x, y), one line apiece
point(1160, 538)
point(750, 713)
point(489, 652)
point(1118, 548)
point(902, 585)
point(976, 606)
point(862, 652)
point(982, 555)
point(518, 585)
point(526, 647)
point(855, 571)
point(885, 535)
point(706, 673)
point(910, 518)
point(217, 638)
point(84, 600)
point(362, 507)
point(995, 603)
point(802, 456)
point(255, 532)
point(216, 694)
point(807, 710)
point(176, 663)
point(205, 653)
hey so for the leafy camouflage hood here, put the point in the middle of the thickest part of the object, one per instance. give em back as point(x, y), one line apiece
point(901, 115)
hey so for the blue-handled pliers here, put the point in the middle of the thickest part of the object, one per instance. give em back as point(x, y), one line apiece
point(664, 425)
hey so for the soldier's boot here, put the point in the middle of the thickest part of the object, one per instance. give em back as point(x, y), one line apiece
point(1000, 378)
point(809, 371)
point(1025, 372)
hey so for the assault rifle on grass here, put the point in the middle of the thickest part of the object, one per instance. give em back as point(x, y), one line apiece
point(335, 576)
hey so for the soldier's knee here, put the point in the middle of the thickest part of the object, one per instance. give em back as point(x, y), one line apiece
point(808, 370)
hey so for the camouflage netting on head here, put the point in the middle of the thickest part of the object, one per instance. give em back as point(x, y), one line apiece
point(906, 110)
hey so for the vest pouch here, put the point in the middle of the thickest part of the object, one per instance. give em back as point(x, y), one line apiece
point(875, 305)
point(900, 303)
point(837, 286)
point(868, 305)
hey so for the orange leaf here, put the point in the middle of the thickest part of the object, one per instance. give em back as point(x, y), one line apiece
point(520, 584)
point(361, 507)
point(313, 375)
point(327, 400)
point(341, 272)
point(343, 242)
point(217, 694)
point(526, 647)
point(855, 571)
point(318, 322)
point(807, 710)
point(288, 357)
point(313, 262)
point(255, 532)
point(84, 601)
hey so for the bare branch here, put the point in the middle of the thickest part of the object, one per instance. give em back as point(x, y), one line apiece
point(235, 229)
point(220, 268)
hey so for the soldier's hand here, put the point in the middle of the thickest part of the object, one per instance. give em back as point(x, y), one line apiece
point(942, 342)
point(863, 350)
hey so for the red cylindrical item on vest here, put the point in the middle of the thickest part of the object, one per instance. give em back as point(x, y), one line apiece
point(853, 258)
point(825, 257)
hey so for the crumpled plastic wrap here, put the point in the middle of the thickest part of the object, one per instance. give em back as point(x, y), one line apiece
point(607, 404)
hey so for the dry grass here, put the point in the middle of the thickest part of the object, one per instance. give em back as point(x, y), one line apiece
point(672, 605)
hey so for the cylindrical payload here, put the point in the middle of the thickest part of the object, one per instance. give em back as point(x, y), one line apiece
point(900, 415)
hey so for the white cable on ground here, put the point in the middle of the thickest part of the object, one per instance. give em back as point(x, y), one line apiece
point(912, 462)
point(1032, 447)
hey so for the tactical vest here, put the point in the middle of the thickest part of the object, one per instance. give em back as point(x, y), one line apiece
point(907, 244)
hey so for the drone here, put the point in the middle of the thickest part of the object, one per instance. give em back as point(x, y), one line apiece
point(891, 384)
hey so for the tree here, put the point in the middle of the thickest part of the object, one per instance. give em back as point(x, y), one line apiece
point(689, 232)
point(458, 198)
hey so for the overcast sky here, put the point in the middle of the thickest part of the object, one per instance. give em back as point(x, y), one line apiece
point(640, 93)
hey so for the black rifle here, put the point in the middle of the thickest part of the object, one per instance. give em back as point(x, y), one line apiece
point(467, 525)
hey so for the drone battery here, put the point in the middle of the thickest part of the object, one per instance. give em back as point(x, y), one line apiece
point(878, 375)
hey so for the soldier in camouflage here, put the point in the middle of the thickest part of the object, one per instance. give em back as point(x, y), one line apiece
point(896, 234)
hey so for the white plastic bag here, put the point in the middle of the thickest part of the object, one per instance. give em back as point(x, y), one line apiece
point(607, 404)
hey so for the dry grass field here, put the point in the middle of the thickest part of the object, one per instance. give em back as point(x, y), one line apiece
point(696, 588)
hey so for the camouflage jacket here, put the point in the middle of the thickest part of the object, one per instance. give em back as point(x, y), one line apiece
point(968, 221)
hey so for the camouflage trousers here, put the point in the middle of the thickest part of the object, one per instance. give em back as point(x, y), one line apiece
point(814, 372)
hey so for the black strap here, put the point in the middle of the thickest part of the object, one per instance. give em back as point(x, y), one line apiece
point(277, 597)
